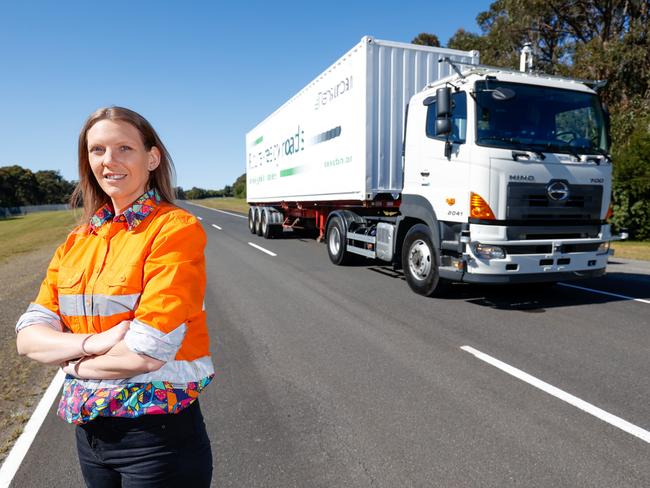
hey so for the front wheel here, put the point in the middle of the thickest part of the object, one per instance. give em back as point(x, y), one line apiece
point(420, 262)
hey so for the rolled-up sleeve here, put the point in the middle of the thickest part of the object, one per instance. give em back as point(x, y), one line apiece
point(45, 309)
point(173, 289)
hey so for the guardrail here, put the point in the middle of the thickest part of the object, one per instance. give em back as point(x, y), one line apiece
point(11, 211)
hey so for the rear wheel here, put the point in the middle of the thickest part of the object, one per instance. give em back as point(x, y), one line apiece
point(258, 221)
point(336, 242)
point(268, 231)
point(420, 262)
point(251, 219)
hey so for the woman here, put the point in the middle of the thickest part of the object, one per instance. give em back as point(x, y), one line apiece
point(129, 284)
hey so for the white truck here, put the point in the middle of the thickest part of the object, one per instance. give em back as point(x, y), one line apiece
point(449, 170)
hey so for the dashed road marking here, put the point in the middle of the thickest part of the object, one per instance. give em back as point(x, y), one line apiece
point(200, 218)
point(270, 253)
point(624, 425)
point(216, 227)
point(625, 297)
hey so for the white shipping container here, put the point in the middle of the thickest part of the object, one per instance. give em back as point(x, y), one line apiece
point(340, 137)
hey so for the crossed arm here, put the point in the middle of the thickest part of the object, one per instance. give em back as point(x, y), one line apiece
point(92, 356)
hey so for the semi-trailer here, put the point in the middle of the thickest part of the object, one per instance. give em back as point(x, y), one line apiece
point(450, 170)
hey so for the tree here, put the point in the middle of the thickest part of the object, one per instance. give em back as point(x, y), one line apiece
point(632, 183)
point(465, 41)
point(19, 186)
point(426, 39)
point(52, 187)
point(239, 187)
point(195, 193)
point(180, 193)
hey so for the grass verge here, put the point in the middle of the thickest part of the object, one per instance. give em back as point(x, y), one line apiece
point(632, 250)
point(29, 232)
point(229, 204)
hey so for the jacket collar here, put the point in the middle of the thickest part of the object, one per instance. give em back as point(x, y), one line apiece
point(133, 215)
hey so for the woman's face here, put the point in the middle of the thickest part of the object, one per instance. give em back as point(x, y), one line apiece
point(119, 161)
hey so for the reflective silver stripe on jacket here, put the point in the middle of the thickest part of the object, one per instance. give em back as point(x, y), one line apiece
point(178, 373)
point(97, 305)
point(38, 314)
point(144, 339)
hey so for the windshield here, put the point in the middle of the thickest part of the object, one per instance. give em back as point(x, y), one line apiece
point(537, 118)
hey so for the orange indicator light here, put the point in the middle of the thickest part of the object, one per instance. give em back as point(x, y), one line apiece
point(478, 208)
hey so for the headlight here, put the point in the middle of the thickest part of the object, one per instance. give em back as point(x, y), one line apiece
point(603, 248)
point(488, 251)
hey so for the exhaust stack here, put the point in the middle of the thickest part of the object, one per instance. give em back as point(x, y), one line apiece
point(526, 59)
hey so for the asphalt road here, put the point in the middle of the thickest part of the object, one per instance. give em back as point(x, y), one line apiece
point(342, 377)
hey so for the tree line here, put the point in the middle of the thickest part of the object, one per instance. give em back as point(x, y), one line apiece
point(237, 190)
point(21, 187)
point(587, 39)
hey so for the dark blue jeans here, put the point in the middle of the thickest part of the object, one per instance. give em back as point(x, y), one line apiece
point(148, 451)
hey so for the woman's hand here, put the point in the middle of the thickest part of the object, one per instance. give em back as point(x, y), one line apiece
point(101, 343)
point(70, 367)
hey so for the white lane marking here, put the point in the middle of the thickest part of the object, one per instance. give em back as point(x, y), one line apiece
point(216, 227)
point(200, 218)
point(625, 297)
point(624, 425)
point(262, 249)
point(217, 210)
point(20, 448)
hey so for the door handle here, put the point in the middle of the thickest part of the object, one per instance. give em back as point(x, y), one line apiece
point(425, 173)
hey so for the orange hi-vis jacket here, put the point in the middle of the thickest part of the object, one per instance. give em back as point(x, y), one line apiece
point(150, 272)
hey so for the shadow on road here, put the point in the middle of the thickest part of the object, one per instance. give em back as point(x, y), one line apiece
point(536, 298)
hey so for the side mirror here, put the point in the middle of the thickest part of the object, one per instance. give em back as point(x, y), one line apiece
point(443, 105)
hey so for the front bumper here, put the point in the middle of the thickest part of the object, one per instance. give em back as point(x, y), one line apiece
point(562, 259)
point(504, 279)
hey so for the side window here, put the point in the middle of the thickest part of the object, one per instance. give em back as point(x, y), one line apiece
point(458, 119)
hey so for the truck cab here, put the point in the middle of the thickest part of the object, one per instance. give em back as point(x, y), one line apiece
point(514, 169)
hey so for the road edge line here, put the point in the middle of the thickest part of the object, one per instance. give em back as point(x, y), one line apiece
point(587, 407)
point(217, 210)
point(20, 448)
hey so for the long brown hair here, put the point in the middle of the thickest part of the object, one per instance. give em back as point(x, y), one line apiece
point(88, 193)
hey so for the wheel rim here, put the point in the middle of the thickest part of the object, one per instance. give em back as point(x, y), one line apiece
point(419, 260)
point(334, 241)
point(264, 223)
point(251, 220)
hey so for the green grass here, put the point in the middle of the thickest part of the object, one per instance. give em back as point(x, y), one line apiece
point(230, 204)
point(632, 250)
point(33, 231)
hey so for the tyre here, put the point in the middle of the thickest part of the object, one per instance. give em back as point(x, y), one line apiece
point(336, 242)
point(258, 221)
point(420, 262)
point(267, 230)
point(251, 219)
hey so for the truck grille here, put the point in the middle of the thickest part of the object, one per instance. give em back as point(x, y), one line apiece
point(530, 201)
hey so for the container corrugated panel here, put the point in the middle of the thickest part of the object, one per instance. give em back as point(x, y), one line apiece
point(396, 72)
point(340, 137)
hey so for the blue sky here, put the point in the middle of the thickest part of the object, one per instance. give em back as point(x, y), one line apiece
point(203, 73)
